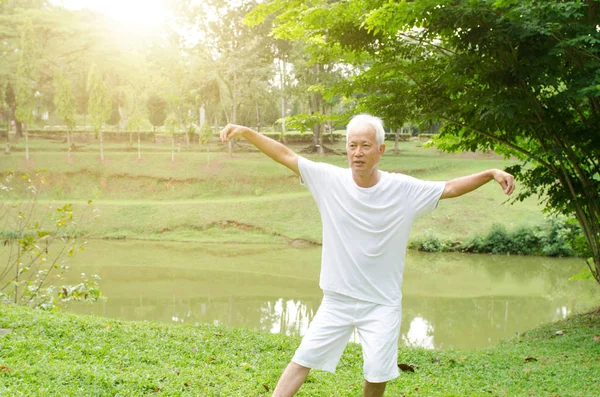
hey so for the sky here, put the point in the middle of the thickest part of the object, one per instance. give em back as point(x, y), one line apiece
point(138, 13)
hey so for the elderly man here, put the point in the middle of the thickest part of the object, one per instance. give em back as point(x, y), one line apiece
point(367, 215)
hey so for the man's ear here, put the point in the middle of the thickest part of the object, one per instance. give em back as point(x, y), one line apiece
point(382, 149)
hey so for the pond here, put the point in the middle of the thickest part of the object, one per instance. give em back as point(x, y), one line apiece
point(449, 300)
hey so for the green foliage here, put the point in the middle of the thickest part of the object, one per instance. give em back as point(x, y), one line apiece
point(63, 100)
point(557, 237)
point(37, 249)
point(115, 117)
point(518, 77)
point(172, 123)
point(100, 104)
point(25, 83)
point(306, 122)
point(205, 133)
point(157, 110)
point(134, 122)
point(9, 96)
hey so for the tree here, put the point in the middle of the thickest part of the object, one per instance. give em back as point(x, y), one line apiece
point(65, 106)
point(25, 83)
point(238, 56)
point(135, 121)
point(114, 117)
point(99, 105)
point(518, 77)
point(171, 123)
point(11, 104)
point(205, 134)
point(307, 70)
point(157, 111)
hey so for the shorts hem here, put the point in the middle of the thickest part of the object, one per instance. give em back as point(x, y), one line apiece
point(381, 379)
point(313, 366)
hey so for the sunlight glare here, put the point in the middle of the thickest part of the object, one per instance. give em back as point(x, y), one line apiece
point(143, 14)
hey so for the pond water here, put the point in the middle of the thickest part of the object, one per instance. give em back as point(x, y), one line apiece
point(450, 300)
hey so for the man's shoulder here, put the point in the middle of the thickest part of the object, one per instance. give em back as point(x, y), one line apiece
point(398, 176)
point(304, 162)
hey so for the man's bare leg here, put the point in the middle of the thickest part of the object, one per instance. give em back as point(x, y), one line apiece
point(374, 389)
point(291, 379)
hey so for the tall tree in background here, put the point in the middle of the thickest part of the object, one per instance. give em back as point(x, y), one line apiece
point(11, 104)
point(172, 124)
point(64, 103)
point(135, 120)
point(25, 82)
point(313, 69)
point(239, 53)
point(518, 77)
point(157, 111)
point(99, 105)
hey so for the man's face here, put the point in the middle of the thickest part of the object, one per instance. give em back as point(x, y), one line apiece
point(362, 150)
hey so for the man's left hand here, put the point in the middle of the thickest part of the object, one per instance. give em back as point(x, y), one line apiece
point(506, 181)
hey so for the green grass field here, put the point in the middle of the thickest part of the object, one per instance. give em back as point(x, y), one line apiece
point(156, 198)
point(60, 354)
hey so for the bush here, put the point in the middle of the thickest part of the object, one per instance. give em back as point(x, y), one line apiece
point(560, 238)
point(36, 249)
point(429, 243)
point(557, 237)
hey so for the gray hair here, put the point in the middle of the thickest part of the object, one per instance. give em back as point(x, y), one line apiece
point(374, 122)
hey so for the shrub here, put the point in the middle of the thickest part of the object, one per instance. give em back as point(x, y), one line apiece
point(557, 237)
point(36, 248)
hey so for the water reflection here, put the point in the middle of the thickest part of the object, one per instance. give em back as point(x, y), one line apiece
point(419, 334)
point(450, 301)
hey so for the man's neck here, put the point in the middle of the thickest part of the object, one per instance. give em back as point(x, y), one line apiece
point(366, 180)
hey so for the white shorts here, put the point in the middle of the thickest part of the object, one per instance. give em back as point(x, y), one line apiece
point(378, 329)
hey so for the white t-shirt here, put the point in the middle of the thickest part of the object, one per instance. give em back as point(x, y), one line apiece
point(365, 230)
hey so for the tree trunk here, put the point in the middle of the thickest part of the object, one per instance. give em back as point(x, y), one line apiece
point(234, 110)
point(101, 148)
point(18, 129)
point(321, 149)
point(69, 147)
point(257, 116)
point(396, 140)
point(7, 148)
point(316, 102)
point(26, 143)
point(315, 137)
point(139, 146)
point(283, 100)
point(172, 148)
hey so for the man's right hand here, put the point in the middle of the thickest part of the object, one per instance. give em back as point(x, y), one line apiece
point(233, 131)
point(268, 146)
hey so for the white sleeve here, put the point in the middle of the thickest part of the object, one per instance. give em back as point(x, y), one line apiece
point(313, 175)
point(424, 196)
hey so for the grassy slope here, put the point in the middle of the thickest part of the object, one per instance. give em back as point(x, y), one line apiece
point(155, 199)
point(51, 354)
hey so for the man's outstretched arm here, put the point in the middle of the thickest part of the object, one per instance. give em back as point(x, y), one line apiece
point(275, 150)
point(459, 186)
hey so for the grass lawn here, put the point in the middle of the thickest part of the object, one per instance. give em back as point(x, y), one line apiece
point(60, 354)
point(158, 199)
